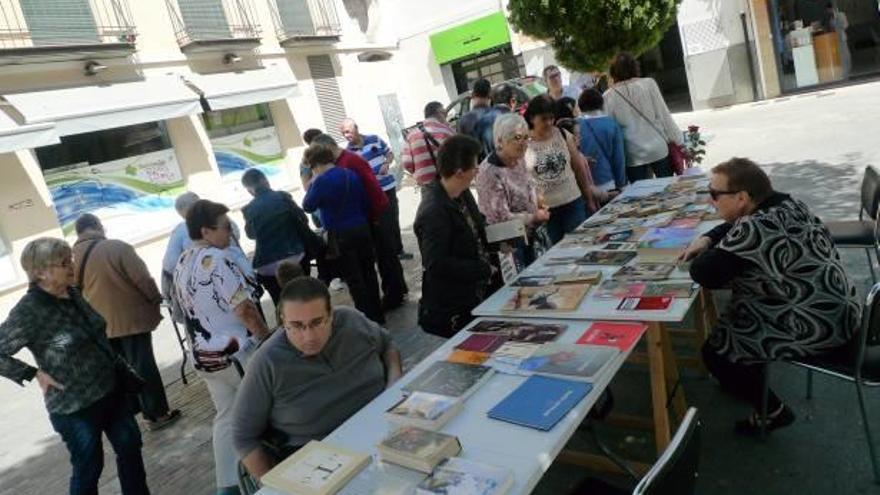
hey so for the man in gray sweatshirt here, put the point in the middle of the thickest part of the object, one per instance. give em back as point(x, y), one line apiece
point(307, 380)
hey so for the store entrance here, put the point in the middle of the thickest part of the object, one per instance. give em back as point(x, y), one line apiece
point(820, 42)
point(496, 65)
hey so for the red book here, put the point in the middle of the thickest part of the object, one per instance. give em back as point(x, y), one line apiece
point(481, 343)
point(620, 335)
point(645, 303)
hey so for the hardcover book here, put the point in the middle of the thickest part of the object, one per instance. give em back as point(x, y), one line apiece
point(316, 469)
point(644, 271)
point(458, 476)
point(450, 379)
point(429, 411)
point(606, 258)
point(551, 298)
point(419, 449)
point(645, 303)
point(583, 362)
point(620, 335)
point(520, 331)
point(540, 402)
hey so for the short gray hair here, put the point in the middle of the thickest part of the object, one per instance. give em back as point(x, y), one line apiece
point(42, 253)
point(185, 201)
point(506, 125)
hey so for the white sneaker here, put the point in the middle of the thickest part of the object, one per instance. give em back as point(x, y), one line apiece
point(337, 285)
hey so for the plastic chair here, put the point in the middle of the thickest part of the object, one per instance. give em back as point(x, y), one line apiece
point(674, 472)
point(861, 233)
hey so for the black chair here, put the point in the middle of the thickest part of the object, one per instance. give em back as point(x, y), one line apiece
point(860, 367)
point(860, 234)
point(674, 472)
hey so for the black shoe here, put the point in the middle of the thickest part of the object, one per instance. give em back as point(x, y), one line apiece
point(751, 427)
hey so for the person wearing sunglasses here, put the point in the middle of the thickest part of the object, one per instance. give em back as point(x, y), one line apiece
point(791, 296)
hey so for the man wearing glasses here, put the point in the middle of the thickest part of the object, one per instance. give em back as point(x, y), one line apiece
point(791, 296)
point(304, 382)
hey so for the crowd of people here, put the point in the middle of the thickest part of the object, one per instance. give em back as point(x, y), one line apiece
point(548, 163)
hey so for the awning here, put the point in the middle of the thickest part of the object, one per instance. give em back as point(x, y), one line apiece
point(94, 108)
point(14, 137)
point(238, 89)
point(471, 38)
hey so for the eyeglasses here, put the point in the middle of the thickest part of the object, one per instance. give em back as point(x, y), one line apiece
point(316, 324)
point(714, 194)
point(519, 138)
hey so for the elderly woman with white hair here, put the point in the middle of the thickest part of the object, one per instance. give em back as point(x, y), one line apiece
point(505, 188)
point(82, 379)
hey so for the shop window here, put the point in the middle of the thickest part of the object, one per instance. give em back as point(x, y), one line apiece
point(236, 120)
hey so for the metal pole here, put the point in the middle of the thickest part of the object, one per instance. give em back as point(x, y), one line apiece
point(745, 28)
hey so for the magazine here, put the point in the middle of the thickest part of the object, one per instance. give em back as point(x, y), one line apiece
point(520, 331)
point(607, 258)
point(551, 298)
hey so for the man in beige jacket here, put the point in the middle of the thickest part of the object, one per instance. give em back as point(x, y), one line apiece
point(116, 282)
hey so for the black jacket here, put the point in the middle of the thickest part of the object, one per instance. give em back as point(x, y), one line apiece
point(270, 219)
point(455, 279)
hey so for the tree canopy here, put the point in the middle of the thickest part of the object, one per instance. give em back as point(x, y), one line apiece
point(587, 33)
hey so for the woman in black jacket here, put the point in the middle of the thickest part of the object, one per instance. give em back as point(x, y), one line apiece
point(456, 261)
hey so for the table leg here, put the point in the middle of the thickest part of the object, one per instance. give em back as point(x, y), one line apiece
point(701, 327)
point(673, 380)
point(657, 366)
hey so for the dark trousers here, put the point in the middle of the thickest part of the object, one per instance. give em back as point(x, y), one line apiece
point(565, 218)
point(271, 286)
point(393, 213)
point(81, 432)
point(356, 262)
point(660, 168)
point(138, 351)
point(745, 381)
point(386, 235)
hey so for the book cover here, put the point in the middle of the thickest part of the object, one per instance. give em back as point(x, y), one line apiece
point(620, 246)
point(515, 352)
point(682, 290)
point(644, 271)
point(606, 258)
point(533, 281)
point(450, 379)
point(417, 442)
point(620, 335)
point(570, 360)
point(520, 331)
point(316, 469)
point(550, 298)
point(458, 476)
point(423, 406)
point(580, 276)
point(667, 238)
point(685, 223)
point(467, 357)
point(645, 303)
point(617, 289)
point(660, 220)
point(540, 402)
point(481, 343)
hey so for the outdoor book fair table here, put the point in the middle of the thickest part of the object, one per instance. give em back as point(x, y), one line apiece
point(505, 420)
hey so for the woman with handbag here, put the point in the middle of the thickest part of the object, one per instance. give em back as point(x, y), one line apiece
point(84, 382)
point(506, 190)
point(652, 138)
point(342, 199)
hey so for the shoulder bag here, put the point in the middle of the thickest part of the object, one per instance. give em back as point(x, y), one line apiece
point(676, 154)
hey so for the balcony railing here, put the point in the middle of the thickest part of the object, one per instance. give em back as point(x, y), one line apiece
point(219, 23)
point(303, 20)
point(29, 26)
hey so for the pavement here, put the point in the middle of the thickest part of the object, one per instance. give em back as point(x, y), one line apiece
point(814, 146)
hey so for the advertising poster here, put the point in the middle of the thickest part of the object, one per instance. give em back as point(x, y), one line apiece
point(259, 148)
point(133, 197)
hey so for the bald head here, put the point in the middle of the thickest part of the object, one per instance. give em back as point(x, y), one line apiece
point(349, 130)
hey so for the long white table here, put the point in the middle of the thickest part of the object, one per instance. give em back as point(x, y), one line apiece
point(526, 451)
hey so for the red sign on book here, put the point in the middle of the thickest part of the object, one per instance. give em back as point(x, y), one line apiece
point(620, 335)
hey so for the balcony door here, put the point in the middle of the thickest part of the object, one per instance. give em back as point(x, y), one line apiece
point(296, 17)
point(60, 22)
point(204, 19)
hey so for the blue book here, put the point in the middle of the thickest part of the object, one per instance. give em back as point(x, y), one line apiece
point(540, 402)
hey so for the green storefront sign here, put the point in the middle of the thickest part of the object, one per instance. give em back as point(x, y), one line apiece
point(471, 38)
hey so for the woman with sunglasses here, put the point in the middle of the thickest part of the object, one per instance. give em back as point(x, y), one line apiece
point(791, 296)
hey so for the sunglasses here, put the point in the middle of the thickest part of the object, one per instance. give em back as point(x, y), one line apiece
point(714, 194)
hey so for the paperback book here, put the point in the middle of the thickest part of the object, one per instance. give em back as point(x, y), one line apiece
point(645, 303)
point(458, 476)
point(417, 448)
point(533, 281)
point(520, 331)
point(681, 290)
point(644, 271)
point(583, 362)
point(620, 335)
point(540, 402)
point(617, 289)
point(429, 411)
point(467, 357)
point(316, 469)
point(620, 246)
point(606, 258)
point(551, 298)
point(667, 239)
point(515, 352)
point(450, 379)
point(579, 276)
point(482, 343)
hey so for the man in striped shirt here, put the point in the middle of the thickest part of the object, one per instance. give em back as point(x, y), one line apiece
point(419, 156)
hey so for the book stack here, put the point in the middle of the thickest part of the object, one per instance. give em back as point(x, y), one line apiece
point(425, 410)
point(418, 449)
point(316, 469)
point(581, 362)
point(458, 476)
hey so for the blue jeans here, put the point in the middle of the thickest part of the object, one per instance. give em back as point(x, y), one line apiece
point(81, 432)
point(566, 218)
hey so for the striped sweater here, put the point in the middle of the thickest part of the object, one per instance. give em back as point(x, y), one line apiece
point(416, 157)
